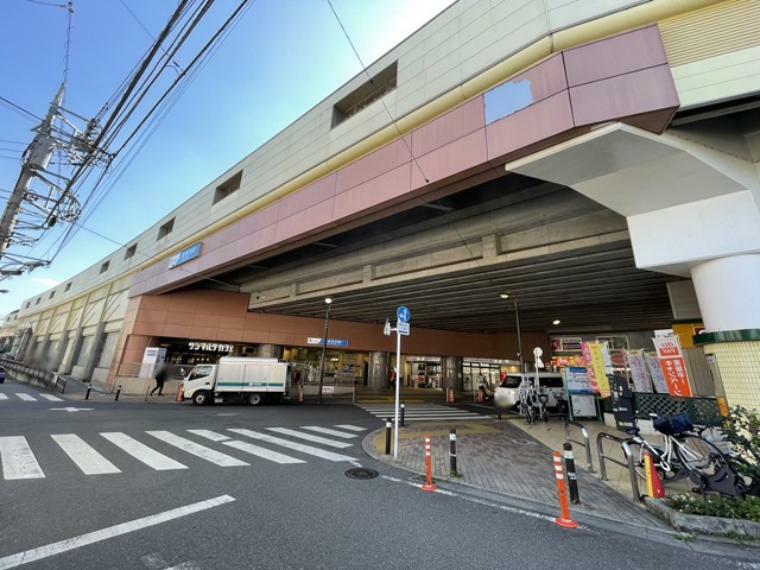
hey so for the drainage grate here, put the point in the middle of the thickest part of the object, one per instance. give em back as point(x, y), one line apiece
point(361, 473)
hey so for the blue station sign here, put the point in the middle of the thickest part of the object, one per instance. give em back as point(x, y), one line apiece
point(331, 342)
point(186, 255)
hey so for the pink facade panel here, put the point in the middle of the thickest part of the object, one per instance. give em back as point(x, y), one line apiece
point(451, 159)
point(540, 121)
point(625, 95)
point(379, 162)
point(446, 129)
point(378, 190)
point(259, 220)
point(305, 221)
point(309, 196)
point(613, 56)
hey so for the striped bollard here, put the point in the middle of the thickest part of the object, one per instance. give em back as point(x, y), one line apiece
point(572, 475)
point(564, 519)
point(429, 486)
point(453, 453)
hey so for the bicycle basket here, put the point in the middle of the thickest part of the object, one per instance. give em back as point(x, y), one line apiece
point(673, 425)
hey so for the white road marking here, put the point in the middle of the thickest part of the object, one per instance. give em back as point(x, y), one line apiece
point(26, 397)
point(189, 565)
point(309, 450)
point(142, 452)
point(18, 459)
point(311, 437)
point(349, 427)
point(262, 452)
point(221, 459)
point(86, 458)
point(507, 508)
point(42, 552)
point(208, 434)
point(3, 397)
point(328, 431)
point(51, 397)
point(72, 409)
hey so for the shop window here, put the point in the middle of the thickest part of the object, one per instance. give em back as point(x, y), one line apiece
point(165, 229)
point(363, 96)
point(228, 187)
point(131, 250)
point(104, 267)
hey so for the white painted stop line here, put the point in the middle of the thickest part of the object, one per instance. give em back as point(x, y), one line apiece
point(35, 554)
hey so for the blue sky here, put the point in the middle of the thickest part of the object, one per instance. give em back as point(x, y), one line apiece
point(282, 58)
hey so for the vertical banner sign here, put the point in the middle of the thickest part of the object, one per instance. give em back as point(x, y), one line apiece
point(586, 353)
point(655, 371)
point(641, 380)
point(593, 358)
point(673, 366)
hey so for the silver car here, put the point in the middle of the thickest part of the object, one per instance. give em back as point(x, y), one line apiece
point(507, 394)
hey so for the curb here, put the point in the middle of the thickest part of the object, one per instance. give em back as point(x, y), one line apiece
point(700, 524)
point(706, 544)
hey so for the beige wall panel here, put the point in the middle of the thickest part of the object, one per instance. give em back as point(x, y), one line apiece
point(92, 313)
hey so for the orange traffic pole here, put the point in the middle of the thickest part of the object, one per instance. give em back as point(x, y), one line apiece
point(180, 393)
point(564, 519)
point(452, 397)
point(300, 393)
point(429, 486)
point(655, 488)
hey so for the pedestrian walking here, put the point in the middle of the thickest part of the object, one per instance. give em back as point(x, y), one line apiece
point(160, 379)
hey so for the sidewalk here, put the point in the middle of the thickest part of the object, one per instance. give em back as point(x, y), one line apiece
point(501, 458)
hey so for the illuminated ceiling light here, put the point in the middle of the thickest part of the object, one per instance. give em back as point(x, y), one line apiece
point(555, 322)
point(328, 300)
point(504, 295)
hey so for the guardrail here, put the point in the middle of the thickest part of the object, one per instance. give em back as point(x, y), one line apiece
point(629, 461)
point(586, 443)
point(46, 378)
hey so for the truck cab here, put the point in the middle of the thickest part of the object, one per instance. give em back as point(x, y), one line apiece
point(199, 384)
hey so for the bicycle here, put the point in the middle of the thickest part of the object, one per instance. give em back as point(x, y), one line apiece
point(533, 402)
point(683, 454)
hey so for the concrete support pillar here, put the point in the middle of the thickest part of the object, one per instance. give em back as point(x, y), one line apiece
point(379, 371)
point(451, 372)
point(97, 349)
point(76, 341)
point(57, 359)
point(727, 291)
point(269, 351)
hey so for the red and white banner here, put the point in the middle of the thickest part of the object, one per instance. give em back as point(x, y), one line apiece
point(673, 366)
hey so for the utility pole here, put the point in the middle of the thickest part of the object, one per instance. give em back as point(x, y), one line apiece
point(36, 160)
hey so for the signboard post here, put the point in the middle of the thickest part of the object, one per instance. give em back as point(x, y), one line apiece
point(403, 316)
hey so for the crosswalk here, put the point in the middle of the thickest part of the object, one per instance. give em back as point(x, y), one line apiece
point(26, 397)
point(105, 453)
point(423, 412)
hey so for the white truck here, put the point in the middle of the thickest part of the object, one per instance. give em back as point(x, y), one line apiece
point(239, 379)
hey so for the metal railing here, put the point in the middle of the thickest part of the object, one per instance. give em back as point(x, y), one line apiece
point(585, 442)
point(47, 378)
point(628, 463)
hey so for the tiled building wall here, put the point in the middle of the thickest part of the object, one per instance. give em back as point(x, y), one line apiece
point(739, 364)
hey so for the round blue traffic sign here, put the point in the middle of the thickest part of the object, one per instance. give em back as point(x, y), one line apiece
point(403, 314)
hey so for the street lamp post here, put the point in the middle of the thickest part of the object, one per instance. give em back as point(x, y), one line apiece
point(517, 325)
point(328, 302)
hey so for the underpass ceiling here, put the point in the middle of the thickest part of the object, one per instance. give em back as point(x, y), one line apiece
point(599, 289)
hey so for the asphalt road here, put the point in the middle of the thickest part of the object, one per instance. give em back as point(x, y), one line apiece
point(305, 514)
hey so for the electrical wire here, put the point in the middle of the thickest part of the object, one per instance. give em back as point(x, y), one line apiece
point(20, 108)
point(146, 30)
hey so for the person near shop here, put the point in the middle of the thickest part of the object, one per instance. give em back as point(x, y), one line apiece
point(160, 379)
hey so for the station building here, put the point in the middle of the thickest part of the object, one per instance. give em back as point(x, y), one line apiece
point(596, 161)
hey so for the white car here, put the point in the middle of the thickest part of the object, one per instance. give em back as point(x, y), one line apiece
point(507, 394)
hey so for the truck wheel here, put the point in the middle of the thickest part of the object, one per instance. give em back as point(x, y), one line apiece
point(200, 398)
point(255, 399)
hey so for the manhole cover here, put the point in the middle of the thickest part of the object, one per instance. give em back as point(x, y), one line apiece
point(361, 473)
